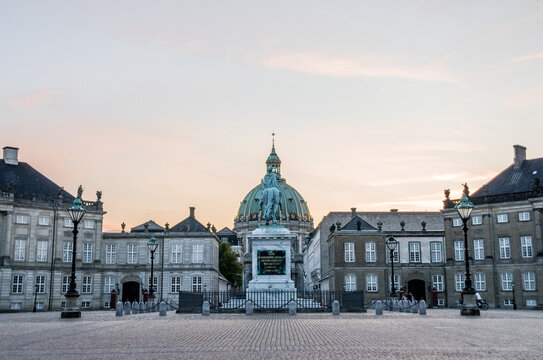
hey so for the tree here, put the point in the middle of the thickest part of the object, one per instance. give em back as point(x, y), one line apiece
point(229, 265)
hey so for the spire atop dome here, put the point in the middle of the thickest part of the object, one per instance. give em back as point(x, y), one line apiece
point(273, 160)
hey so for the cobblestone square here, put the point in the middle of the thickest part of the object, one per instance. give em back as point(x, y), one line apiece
point(441, 334)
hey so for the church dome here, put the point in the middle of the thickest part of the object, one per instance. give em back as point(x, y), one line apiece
point(293, 206)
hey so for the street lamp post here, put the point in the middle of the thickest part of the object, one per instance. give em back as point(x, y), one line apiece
point(152, 245)
point(71, 310)
point(469, 307)
point(391, 244)
point(513, 290)
point(35, 297)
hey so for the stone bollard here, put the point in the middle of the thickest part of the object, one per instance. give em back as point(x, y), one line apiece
point(142, 308)
point(162, 308)
point(414, 307)
point(422, 307)
point(406, 305)
point(119, 309)
point(155, 306)
point(395, 305)
point(378, 308)
point(147, 307)
point(135, 307)
point(127, 308)
point(292, 307)
point(205, 308)
point(249, 308)
point(335, 307)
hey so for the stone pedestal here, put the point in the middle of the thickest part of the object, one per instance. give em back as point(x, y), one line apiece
point(271, 254)
point(469, 307)
point(71, 310)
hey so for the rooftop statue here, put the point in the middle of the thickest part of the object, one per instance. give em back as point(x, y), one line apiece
point(270, 196)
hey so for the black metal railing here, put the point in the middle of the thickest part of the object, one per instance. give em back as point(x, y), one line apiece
point(271, 300)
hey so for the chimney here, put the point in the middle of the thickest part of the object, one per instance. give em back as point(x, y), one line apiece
point(192, 211)
point(353, 212)
point(10, 155)
point(520, 155)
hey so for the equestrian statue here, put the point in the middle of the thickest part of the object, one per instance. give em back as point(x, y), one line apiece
point(269, 206)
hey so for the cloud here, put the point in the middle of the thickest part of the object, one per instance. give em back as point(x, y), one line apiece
point(527, 57)
point(355, 66)
point(34, 99)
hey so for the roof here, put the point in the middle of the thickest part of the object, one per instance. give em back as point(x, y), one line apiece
point(358, 224)
point(513, 180)
point(190, 224)
point(391, 221)
point(152, 227)
point(226, 232)
point(23, 179)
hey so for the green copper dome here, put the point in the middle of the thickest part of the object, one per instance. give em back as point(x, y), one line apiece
point(293, 206)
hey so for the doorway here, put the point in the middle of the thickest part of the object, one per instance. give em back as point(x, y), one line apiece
point(417, 287)
point(131, 291)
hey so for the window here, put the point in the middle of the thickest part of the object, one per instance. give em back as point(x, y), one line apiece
point(526, 245)
point(87, 284)
point(414, 252)
point(196, 284)
point(480, 281)
point(531, 302)
point(157, 257)
point(68, 223)
point(41, 251)
point(529, 281)
point(508, 302)
point(435, 252)
point(478, 249)
point(20, 247)
point(371, 283)
point(370, 252)
point(21, 219)
point(176, 284)
point(40, 284)
point(396, 283)
point(476, 220)
point(349, 252)
point(63, 304)
point(39, 305)
point(396, 254)
point(17, 287)
point(111, 254)
point(197, 253)
point(440, 302)
point(85, 304)
point(106, 305)
point(88, 224)
point(16, 306)
point(459, 282)
point(437, 282)
point(507, 281)
point(155, 283)
point(87, 252)
point(43, 220)
point(456, 222)
point(502, 218)
point(350, 282)
point(65, 283)
point(176, 253)
point(524, 216)
point(505, 248)
point(109, 284)
point(67, 252)
point(459, 250)
point(132, 256)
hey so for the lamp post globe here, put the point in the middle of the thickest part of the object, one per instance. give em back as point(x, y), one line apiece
point(469, 306)
point(152, 245)
point(71, 309)
point(391, 244)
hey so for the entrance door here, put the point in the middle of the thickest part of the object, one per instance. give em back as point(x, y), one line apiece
point(131, 291)
point(417, 287)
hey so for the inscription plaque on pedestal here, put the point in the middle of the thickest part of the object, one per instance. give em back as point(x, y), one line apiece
point(271, 262)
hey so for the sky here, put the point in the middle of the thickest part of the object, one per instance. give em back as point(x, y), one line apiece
point(164, 105)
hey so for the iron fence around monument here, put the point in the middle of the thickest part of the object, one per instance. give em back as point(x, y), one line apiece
point(271, 300)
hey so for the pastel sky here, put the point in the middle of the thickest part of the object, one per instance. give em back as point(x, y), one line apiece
point(164, 105)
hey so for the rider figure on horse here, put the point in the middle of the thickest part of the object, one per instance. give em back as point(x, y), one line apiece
point(270, 196)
